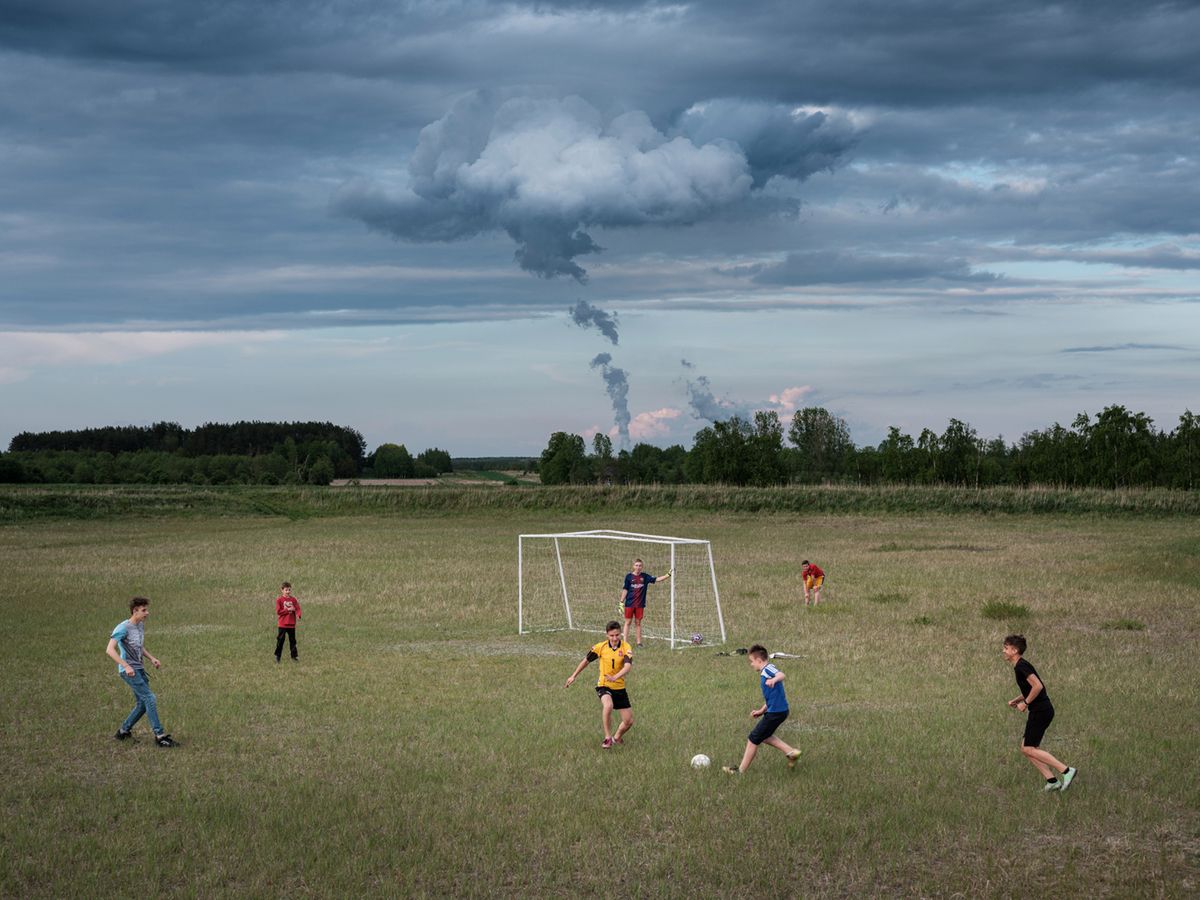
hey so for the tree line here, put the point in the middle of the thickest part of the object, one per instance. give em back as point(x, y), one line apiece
point(1115, 449)
point(237, 453)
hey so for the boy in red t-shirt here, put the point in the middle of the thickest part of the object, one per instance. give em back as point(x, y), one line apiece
point(287, 609)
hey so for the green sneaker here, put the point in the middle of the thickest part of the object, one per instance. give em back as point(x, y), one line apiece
point(792, 757)
point(1068, 776)
point(1053, 786)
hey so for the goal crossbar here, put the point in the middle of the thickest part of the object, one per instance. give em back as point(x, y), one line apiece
point(609, 534)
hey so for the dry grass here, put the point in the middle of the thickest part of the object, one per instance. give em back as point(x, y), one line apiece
point(422, 748)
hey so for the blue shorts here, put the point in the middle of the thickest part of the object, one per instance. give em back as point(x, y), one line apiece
point(766, 726)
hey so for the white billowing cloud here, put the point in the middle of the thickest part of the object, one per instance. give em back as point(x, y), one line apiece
point(788, 400)
point(23, 351)
point(545, 171)
point(648, 426)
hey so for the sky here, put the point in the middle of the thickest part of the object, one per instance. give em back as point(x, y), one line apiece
point(469, 225)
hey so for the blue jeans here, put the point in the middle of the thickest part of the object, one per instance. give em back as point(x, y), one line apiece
point(147, 703)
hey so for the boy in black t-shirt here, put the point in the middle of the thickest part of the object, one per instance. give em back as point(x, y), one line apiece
point(1034, 700)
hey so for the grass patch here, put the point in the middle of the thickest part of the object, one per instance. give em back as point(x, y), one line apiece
point(21, 503)
point(892, 597)
point(1002, 610)
point(421, 748)
point(1125, 625)
point(894, 547)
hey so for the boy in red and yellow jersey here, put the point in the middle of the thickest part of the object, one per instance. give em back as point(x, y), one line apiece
point(813, 576)
point(616, 658)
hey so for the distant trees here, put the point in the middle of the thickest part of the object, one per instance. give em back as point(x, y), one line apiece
point(823, 445)
point(391, 461)
point(1117, 448)
point(438, 461)
point(564, 460)
point(238, 453)
point(340, 444)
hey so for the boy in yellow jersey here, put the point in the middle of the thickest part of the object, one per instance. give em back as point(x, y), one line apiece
point(616, 658)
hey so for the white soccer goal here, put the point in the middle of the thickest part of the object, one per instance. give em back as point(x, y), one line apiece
point(573, 580)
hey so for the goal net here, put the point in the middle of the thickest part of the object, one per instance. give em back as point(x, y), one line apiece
point(573, 580)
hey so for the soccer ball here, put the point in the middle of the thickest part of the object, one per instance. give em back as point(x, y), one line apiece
point(697, 638)
point(700, 761)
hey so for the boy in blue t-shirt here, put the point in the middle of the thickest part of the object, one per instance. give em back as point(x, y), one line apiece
point(770, 715)
point(127, 648)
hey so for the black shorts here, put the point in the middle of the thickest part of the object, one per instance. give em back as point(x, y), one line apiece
point(1038, 719)
point(766, 726)
point(619, 696)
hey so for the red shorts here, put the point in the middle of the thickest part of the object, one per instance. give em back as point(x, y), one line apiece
point(635, 612)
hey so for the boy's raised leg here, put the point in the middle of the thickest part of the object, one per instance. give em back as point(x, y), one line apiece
point(626, 724)
point(788, 750)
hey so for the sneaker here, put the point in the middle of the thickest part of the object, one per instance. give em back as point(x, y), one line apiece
point(164, 740)
point(730, 770)
point(792, 757)
point(617, 740)
point(277, 660)
point(639, 646)
point(1053, 786)
point(1067, 777)
point(123, 735)
point(608, 742)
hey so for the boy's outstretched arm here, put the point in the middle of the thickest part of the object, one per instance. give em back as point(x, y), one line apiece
point(579, 668)
point(775, 679)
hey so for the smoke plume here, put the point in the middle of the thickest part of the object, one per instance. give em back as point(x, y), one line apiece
point(617, 384)
point(585, 315)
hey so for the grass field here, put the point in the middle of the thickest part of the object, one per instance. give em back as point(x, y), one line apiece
point(420, 747)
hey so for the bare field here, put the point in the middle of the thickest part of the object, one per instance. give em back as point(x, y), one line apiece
point(422, 748)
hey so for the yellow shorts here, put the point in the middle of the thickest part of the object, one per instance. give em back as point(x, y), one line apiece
point(813, 584)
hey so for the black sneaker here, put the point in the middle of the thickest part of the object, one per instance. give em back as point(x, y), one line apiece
point(164, 740)
point(123, 735)
point(277, 659)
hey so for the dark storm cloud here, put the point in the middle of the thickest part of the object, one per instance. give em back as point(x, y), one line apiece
point(1161, 256)
point(153, 148)
point(776, 139)
point(585, 315)
point(1119, 348)
point(616, 382)
point(809, 50)
point(817, 267)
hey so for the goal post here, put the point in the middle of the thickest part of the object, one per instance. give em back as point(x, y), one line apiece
point(572, 581)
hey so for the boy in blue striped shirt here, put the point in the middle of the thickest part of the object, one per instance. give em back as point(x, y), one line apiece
point(770, 715)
